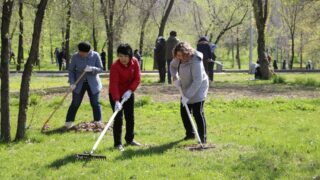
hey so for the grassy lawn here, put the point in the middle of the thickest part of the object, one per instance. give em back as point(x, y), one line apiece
point(254, 138)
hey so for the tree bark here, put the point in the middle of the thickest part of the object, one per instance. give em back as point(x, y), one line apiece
point(165, 18)
point(238, 50)
point(95, 43)
point(25, 82)
point(5, 60)
point(67, 39)
point(20, 45)
point(261, 15)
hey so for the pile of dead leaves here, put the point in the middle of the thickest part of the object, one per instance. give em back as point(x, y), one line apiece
point(89, 127)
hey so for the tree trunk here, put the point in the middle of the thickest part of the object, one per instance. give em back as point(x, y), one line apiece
point(261, 14)
point(25, 82)
point(20, 45)
point(95, 43)
point(165, 18)
point(301, 50)
point(292, 51)
point(143, 26)
point(5, 58)
point(67, 39)
point(238, 50)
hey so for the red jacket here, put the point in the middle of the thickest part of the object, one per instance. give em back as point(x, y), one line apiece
point(123, 78)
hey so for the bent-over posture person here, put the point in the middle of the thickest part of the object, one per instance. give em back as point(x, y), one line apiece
point(90, 62)
point(189, 74)
point(124, 80)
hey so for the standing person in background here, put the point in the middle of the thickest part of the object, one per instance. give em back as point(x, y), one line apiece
point(275, 64)
point(204, 47)
point(103, 59)
point(160, 58)
point(89, 61)
point(62, 56)
point(137, 55)
point(172, 41)
point(189, 75)
point(56, 55)
point(124, 80)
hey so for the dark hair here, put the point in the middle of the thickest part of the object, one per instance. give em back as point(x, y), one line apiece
point(125, 49)
point(173, 33)
point(84, 46)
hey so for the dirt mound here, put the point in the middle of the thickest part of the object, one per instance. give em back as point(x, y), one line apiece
point(197, 147)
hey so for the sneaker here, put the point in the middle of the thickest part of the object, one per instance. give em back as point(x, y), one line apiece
point(188, 138)
point(120, 148)
point(134, 143)
point(68, 125)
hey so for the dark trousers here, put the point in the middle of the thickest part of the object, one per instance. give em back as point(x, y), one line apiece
point(197, 110)
point(76, 102)
point(169, 74)
point(128, 110)
point(210, 70)
point(162, 71)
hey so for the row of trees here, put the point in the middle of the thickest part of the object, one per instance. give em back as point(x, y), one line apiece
point(67, 21)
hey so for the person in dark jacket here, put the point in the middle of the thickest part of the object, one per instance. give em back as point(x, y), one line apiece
point(172, 41)
point(203, 46)
point(137, 55)
point(103, 59)
point(160, 58)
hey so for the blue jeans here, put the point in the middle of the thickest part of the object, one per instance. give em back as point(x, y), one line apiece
point(76, 102)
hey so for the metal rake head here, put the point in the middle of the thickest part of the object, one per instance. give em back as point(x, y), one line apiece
point(87, 156)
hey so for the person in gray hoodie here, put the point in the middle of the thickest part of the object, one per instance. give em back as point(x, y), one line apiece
point(172, 41)
point(189, 74)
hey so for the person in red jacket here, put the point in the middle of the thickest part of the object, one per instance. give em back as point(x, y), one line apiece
point(124, 80)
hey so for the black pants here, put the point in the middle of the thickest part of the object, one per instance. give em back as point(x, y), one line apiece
point(210, 70)
point(128, 110)
point(169, 74)
point(197, 110)
point(162, 71)
point(76, 102)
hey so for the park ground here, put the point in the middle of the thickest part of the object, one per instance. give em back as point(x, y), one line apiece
point(260, 130)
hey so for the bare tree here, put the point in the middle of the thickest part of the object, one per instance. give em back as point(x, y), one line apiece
point(67, 38)
point(261, 11)
point(168, 7)
point(20, 45)
point(230, 20)
point(95, 43)
point(109, 9)
point(5, 58)
point(26, 76)
point(291, 13)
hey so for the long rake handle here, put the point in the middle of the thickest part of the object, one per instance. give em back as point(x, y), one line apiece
point(111, 119)
point(191, 120)
point(62, 100)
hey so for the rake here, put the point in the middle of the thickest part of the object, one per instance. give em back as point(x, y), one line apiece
point(90, 155)
point(45, 124)
point(191, 120)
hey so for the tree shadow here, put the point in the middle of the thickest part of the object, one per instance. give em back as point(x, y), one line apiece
point(62, 162)
point(127, 154)
point(59, 130)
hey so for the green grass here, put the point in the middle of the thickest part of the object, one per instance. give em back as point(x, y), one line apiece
point(274, 138)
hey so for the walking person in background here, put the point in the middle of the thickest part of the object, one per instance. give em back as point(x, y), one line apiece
point(103, 59)
point(137, 55)
point(159, 55)
point(172, 41)
point(204, 47)
point(56, 55)
point(89, 61)
point(124, 80)
point(189, 74)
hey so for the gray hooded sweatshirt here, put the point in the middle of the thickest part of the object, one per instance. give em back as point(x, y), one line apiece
point(194, 80)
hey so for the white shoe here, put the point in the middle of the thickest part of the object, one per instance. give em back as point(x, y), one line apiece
point(68, 125)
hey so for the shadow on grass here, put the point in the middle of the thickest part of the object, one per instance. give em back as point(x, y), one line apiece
point(59, 130)
point(127, 154)
point(62, 162)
